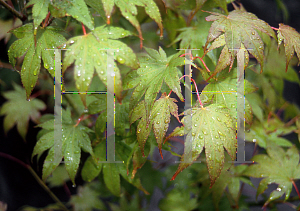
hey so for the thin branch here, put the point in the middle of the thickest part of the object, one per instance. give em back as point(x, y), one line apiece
point(195, 87)
point(83, 29)
point(38, 179)
point(9, 66)
point(13, 11)
point(46, 20)
point(274, 28)
point(296, 188)
point(41, 92)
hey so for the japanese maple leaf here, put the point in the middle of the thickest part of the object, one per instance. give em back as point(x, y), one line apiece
point(19, 111)
point(210, 127)
point(46, 38)
point(271, 131)
point(291, 39)
point(224, 92)
point(58, 8)
point(160, 119)
point(240, 28)
point(74, 138)
point(89, 53)
point(121, 115)
point(278, 167)
point(148, 79)
point(129, 11)
point(111, 171)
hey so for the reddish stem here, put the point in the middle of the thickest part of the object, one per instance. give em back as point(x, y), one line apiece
point(169, 93)
point(274, 28)
point(215, 73)
point(14, 159)
point(35, 95)
point(203, 63)
point(46, 20)
point(81, 118)
point(196, 58)
point(195, 87)
point(296, 188)
point(67, 190)
point(83, 29)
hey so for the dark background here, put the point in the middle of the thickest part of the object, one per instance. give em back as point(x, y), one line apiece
point(19, 188)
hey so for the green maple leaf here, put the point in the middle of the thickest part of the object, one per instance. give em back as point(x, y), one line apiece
point(17, 102)
point(160, 119)
point(60, 8)
point(213, 128)
point(74, 138)
point(230, 177)
point(87, 198)
point(111, 171)
point(177, 200)
point(271, 168)
point(59, 177)
point(39, 10)
point(129, 11)
point(224, 92)
point(240, 29)
point(148, 79)
point(89, 53)
point(46, 38)
point(291, 39)
point(270, 131)
point(121, 115)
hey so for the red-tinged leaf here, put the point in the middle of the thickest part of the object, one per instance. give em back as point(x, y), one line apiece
point(161, 114)
point(17, 102)
point(138, 160)
point(159, 118)
point(291, 39)
point(212, 128)
point(240, 27)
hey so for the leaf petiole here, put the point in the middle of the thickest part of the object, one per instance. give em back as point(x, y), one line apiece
point(196, 89)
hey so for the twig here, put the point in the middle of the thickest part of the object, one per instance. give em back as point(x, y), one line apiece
point(83, 29)
point(35, 95)
point(13, 11)
point(296, 188)
point(44, 186)
point(274, 28)
point(196, 89)
point(46, 19)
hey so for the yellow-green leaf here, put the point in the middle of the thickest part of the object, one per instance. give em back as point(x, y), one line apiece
point(17, 102)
